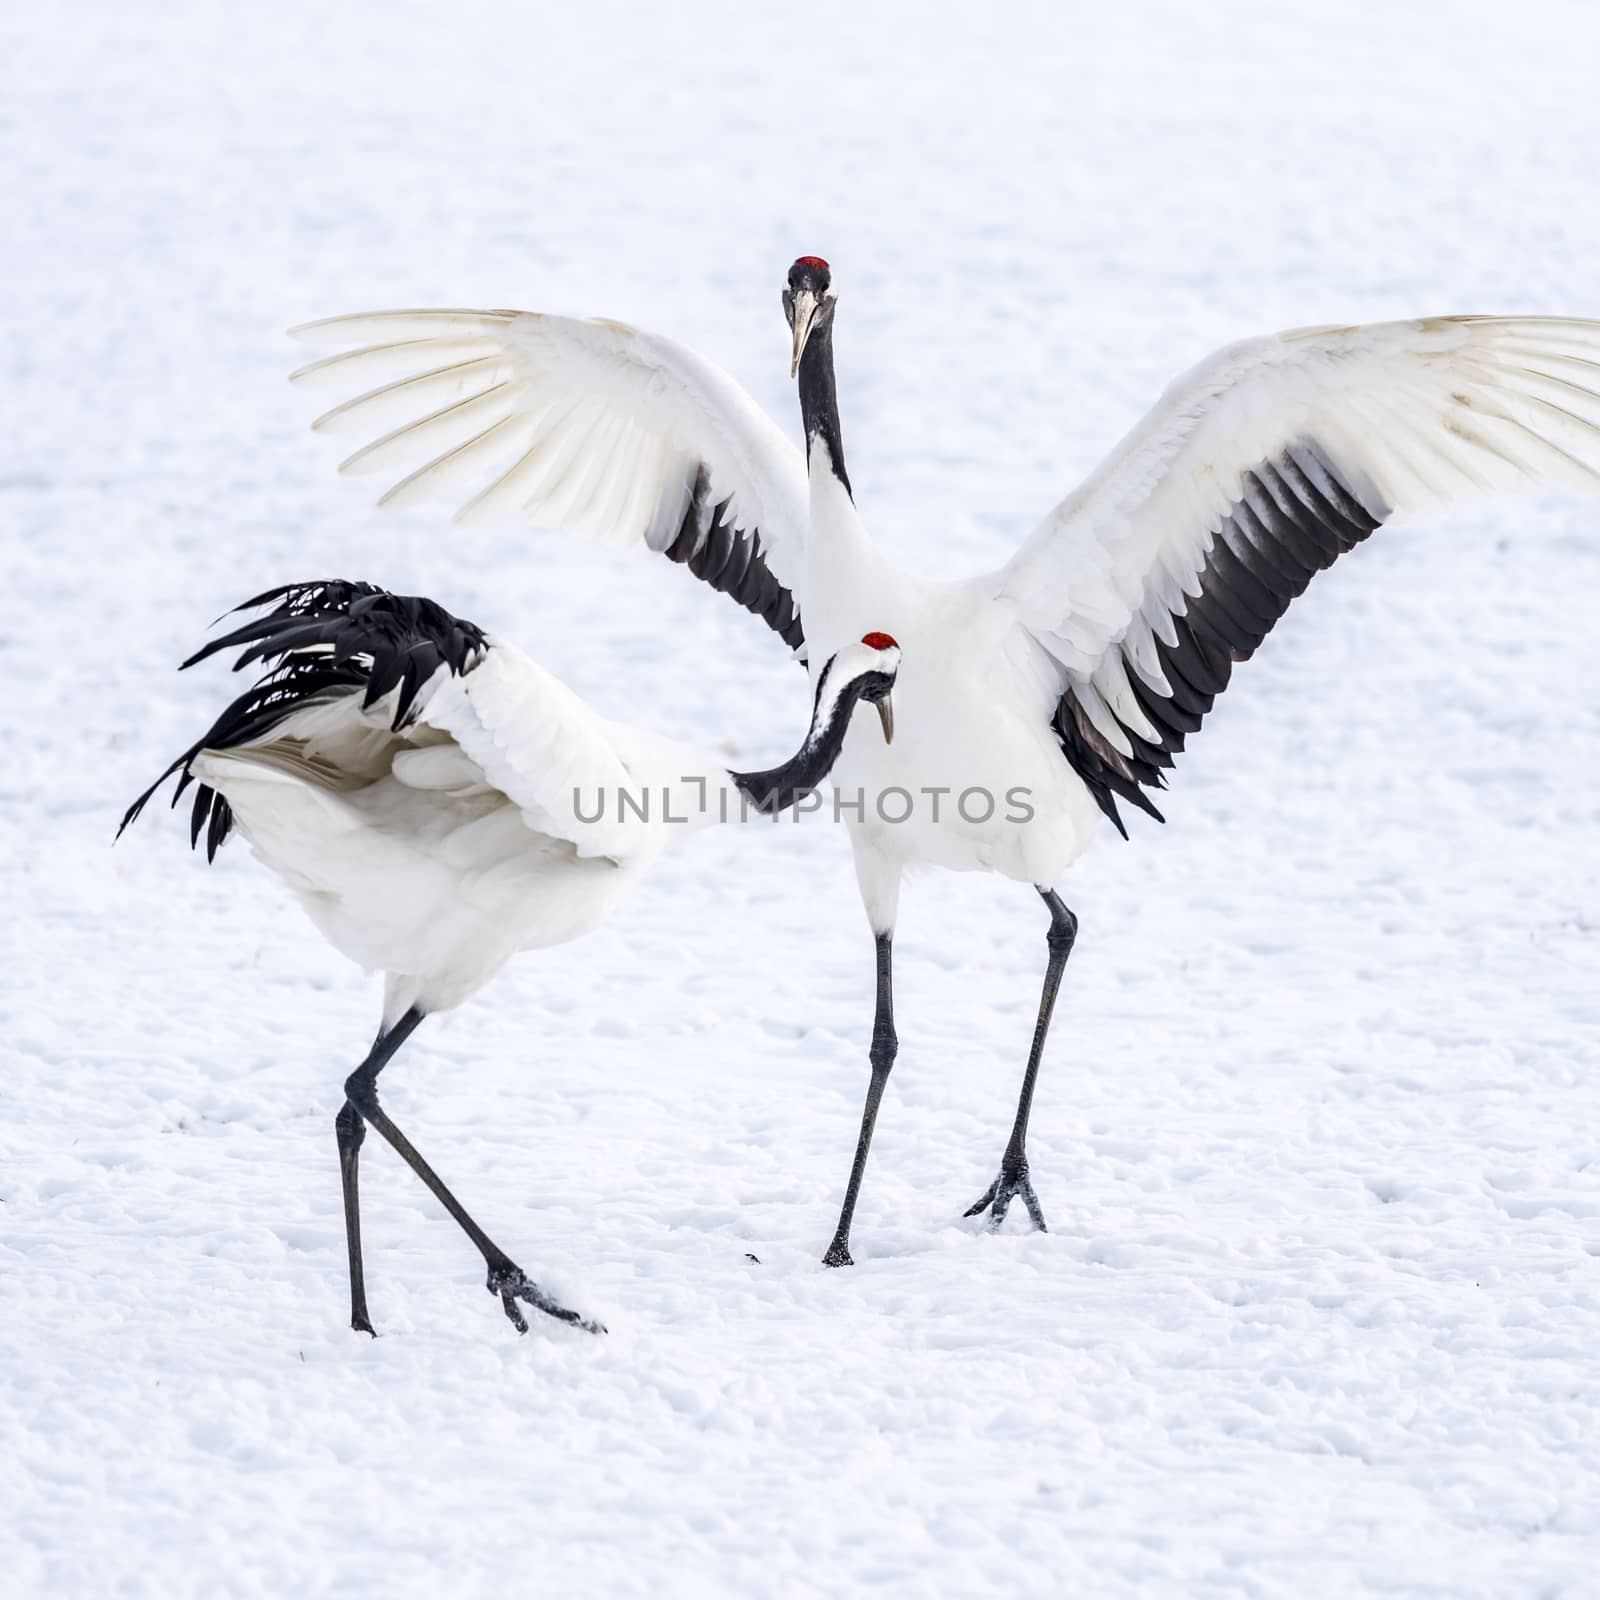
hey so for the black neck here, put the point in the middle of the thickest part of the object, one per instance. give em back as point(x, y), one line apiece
point(779, 787)
point(819, 401)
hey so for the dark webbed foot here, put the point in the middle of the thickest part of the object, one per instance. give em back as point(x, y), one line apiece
point(997, 1198)
point(512, 1284)
point(838, 1255)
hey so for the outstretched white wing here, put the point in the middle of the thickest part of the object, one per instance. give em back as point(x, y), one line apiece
point(608, 431)
point(1256, 470)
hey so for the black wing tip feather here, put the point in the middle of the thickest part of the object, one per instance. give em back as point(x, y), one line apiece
point(1296, 516)
point(323, 640)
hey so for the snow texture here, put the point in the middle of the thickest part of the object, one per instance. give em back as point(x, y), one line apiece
point(1318, 1134)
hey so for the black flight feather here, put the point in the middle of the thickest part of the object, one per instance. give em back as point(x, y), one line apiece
point(1296, 516)
point(323, 641)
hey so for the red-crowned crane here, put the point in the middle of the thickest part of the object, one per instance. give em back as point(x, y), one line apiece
point(1073, 673)
point(438, 802)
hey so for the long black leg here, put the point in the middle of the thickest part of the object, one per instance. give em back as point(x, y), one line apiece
point(882, 1053)
point(350, 1129)
point(1013, 1179)
point(506, 1278)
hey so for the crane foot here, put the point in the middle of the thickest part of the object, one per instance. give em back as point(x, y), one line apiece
point(997, 1198)
point(512, 1284)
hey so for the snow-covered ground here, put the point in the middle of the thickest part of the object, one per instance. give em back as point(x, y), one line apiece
point(1319, 1131)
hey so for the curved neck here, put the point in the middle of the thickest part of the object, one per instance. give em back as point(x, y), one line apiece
point(819, 401)
point(779, 787)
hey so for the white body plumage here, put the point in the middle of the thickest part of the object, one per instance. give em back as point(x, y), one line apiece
point(412, 860)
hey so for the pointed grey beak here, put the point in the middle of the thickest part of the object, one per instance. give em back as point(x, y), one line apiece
point(805, 313)
point(886, 717)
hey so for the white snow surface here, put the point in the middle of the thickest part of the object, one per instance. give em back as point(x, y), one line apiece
point(1318, 1134)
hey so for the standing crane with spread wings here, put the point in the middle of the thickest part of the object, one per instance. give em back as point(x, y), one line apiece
point(1074, 673)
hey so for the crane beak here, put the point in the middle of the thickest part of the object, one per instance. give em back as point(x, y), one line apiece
point(805, 314)
point(886, 717)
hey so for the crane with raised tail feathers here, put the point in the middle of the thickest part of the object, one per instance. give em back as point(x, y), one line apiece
point(438, 802)
point(1074, 672)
